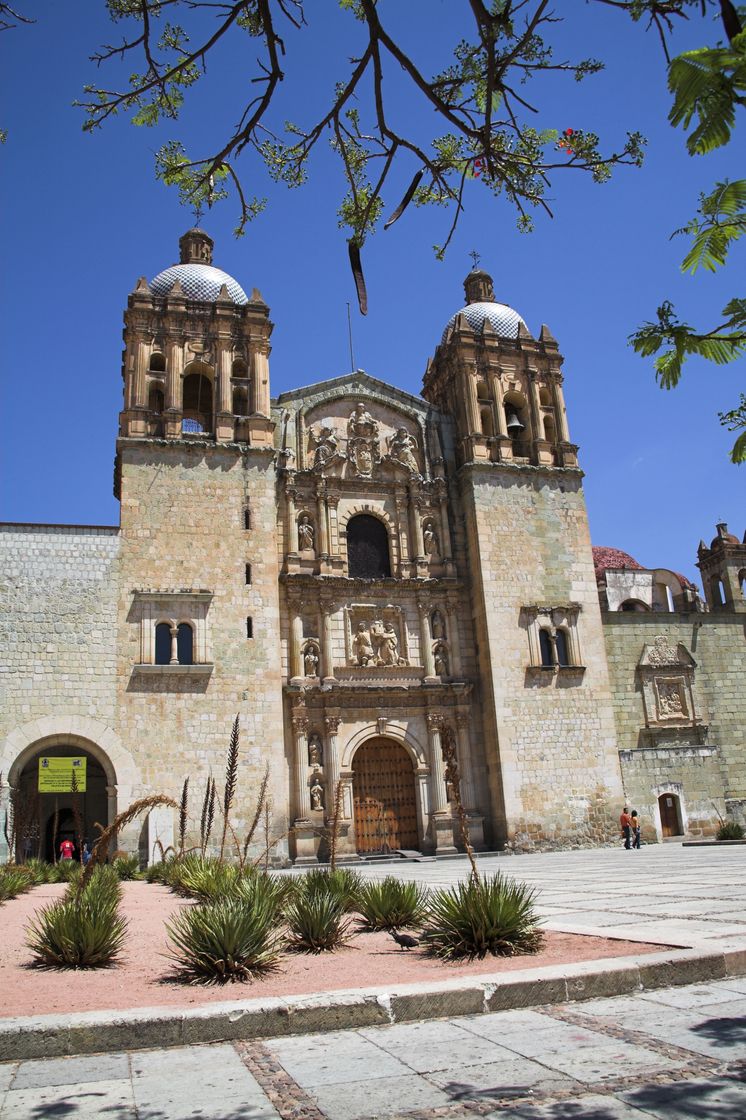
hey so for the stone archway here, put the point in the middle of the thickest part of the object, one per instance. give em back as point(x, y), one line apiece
point(384, 797)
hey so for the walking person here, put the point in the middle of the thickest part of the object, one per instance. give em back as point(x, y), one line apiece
point(625, 823)
point(635, 828)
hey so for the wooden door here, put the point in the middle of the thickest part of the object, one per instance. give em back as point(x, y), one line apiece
point(385, 801)
point(669, 814)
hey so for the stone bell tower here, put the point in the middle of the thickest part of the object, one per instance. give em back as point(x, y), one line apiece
point(723, 568)
point(198, 637)
point(196, 356)
point(550, 742)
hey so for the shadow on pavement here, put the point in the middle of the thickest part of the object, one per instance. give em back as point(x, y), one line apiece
point(723, 1032)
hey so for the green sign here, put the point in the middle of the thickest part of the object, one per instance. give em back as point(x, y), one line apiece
point(56, 774)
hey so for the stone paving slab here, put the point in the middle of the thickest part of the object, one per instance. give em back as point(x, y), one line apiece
point(374, 1098)
point(72, 1071)
point(85, 1101)
point(715, 1099)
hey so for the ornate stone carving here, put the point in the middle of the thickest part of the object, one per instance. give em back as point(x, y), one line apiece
point(437, 625)
point(363, 443)
point(662, 652)
point(435, 721)
point(441, 660)
point(376, 643)
point(315, 749)
point(317, 794)
point(671, 699)
point(311, 660)
point(430, 540)
point(306, 534)
point(325, 447)
point(331, 723)
point(402, 447)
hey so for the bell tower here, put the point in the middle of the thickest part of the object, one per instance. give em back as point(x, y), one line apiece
point(549, 735)
point(723, 568)
point(196, 358)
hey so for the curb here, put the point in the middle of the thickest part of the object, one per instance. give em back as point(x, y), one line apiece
point(91, 1032)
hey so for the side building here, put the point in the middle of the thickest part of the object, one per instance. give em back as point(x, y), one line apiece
point(376, 583)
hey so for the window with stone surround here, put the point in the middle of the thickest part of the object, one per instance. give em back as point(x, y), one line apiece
point(174, 630)
point(552, 631)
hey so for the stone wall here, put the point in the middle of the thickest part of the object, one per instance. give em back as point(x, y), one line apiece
point(705, 767)
point(550, 741)
point(183, 528)
point(57, 632)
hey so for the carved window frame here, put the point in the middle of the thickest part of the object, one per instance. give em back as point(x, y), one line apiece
point(151, 607)
point(553, 618)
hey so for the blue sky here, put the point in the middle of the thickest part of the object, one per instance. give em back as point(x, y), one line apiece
point(83, 218)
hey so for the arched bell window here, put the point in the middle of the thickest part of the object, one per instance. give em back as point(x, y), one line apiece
point(185, 644)
point(560, 641)
point(163, 644)
point(545, 648)
point(197, 401)
point(367, 548)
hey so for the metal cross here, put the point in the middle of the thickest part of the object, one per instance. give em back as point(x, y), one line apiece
point(475, 257)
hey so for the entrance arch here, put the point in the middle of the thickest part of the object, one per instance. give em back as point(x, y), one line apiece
point(44, 820)
point(384, 797)
point(670, 812)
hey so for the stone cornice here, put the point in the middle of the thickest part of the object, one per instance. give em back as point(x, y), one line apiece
point(522, 469)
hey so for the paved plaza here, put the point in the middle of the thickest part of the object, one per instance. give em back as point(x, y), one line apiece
point(675, 1053)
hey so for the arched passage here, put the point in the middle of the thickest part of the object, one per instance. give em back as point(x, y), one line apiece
point(384, 795)
point(43, 820)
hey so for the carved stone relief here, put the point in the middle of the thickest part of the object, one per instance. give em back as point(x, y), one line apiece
point(376, 637)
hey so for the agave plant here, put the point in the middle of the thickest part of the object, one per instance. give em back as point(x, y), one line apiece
point(729, 830)
point(495, 915)
point(127, 867)
point(392, 904)
point(14, 881)
point(204, 878)
point(342, 884)
point(226, 940)
point(317, 922)
point(88, 933)
point(259, 887)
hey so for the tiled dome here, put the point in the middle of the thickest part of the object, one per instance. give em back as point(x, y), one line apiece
point(604, 558)
point(503, 319)
point(198, 281)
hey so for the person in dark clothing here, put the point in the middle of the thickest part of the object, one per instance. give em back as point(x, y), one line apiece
point(635, 829)
point(625, 823)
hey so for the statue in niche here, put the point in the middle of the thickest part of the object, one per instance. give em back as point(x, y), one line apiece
point(438, 625)
point(441, 661)
point(669, 699)
point(305, 534)
point(314, 749)
point(325, 447)
point(363, 447)
point(310, 661)
point(430, 540)
point(402, 447)
point(388, 644)
point(317, 794)
point(362, 646)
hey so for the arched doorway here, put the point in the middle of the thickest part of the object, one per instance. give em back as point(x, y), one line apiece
point(383, 786)
point(668, 804)
point(44, 820)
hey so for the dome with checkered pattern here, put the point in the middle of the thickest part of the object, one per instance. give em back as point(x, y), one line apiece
point(482, 307)
point(199, 278)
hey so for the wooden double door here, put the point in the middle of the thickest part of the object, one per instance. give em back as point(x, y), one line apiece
point(383, 786)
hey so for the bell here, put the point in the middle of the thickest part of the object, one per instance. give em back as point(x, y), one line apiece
point(513, 424)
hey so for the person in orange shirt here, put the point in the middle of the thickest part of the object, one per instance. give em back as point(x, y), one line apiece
point(625, 823)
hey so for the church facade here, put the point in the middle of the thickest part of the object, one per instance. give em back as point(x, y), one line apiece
point(371, 580)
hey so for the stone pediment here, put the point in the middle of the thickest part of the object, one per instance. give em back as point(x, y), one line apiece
point(663, 653)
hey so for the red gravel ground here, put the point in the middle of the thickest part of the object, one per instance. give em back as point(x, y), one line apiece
point(141, 979)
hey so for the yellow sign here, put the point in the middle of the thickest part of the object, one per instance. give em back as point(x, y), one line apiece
point(56, 774)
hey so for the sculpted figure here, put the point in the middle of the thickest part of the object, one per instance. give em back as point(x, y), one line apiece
point(402, 447)
point(314, 750)
point(317, 794)
point(388, 647)
point(305, 534)
point(430, 540)
point(438, 625)
point(441, 661)
point(326, 446)
point(311, 661)
point(361, 423)
point(362, 646)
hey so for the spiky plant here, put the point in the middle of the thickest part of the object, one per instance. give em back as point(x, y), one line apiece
point(127, 867)
point(231, 780)
point(343, 883)
point(225, 941)
point(260, 803)
point(494, 915)
point(317, 922)
point(183, 815)
point(258, 886)
point(84, 929)
point(392, 904)
point(729, 830)
point(203, 878)
point(208, 815)
point(14, 881)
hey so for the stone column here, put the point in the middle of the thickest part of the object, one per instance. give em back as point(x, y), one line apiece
point(425, 640)
point(303, 797)
point(445, 529)
point(331, 762)
point(261, 379)
point(174, 646)
point(414, 509)
point(332, 503)
point(321, 524)
point(296, 639)
point(559, 409)
point(400, 501)
point(463, 754)
point(139, 388)
point(497, 395)
point(472, 404)
point(173, 376)
point(111, 812)
point(326, 641)
point(454, 642)
point(224, 363)
point(292, 523)
point(438, 797)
